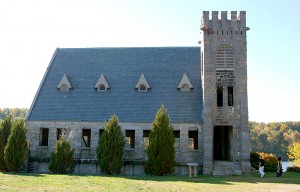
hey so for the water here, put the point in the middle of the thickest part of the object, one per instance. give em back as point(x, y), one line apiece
point(285, 165)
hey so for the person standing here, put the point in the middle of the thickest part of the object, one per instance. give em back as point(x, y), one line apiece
point(261, 168)
point(279, 167)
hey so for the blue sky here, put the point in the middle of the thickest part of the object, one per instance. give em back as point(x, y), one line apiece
point(32, 29)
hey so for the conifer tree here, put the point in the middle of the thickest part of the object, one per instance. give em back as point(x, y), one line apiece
point(5, 129)
point(161, 152)
point(111, 147)
point(62, 159)
point(16, 150)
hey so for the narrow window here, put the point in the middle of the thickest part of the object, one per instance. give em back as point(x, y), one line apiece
point(130, 139)
point(177, 139)
point(61, 132)
point(86, 138)
point(44, 135)
point(230, 96)
point(193, 140)
point(219, 96)
point(100, 132)
point(146, 134)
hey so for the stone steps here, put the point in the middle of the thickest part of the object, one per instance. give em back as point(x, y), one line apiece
point(223, 168)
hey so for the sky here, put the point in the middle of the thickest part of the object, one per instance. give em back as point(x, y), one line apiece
point(31, 30)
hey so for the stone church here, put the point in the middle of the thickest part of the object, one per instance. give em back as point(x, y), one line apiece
point(204, 90)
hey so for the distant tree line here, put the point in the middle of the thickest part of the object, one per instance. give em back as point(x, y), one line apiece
point(14, 112)
point(274, 137)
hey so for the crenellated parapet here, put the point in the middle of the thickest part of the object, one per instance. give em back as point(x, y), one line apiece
point(221, 25)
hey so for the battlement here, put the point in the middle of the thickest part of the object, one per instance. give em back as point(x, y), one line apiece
point(237, 22)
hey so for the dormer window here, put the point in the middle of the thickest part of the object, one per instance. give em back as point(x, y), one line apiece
point(142, 85)
point(102, 87)
point(64, 87)
point(102, 84)
point(185, 88)
point(142, 88)
point(64, 84)
point(185, 84)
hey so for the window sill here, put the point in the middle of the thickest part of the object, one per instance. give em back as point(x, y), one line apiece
point(85, 148)
point(43, 147)
point(129, 149)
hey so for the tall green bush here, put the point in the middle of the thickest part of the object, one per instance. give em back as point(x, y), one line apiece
point(62, 159)
point(5, 129)
point(16, 150)
point(111, 147)
point(161, 152)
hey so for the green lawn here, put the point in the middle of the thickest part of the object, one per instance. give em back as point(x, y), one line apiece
point(49, 182)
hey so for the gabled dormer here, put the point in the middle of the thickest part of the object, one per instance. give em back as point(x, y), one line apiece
point(185, 84)
point(102, 84)
point(142, 84)
point(64, 84)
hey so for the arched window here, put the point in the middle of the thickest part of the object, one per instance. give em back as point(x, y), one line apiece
point(64, 87)
point(225, 58)
point(102, 87)
point(185, 88)
point(142, 88)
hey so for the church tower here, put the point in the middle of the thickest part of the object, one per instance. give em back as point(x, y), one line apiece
point(225, 104)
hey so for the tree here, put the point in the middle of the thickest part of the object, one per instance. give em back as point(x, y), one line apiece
point(16, 150)
point(5, 129)
point(62, 159)
point(161, 152)
point(111, 147)
point(294, 153)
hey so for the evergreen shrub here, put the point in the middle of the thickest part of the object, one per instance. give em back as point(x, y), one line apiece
point(111, 147)
point(161, 152)
point(62, 159)
point(16, 150)
point(5, 129)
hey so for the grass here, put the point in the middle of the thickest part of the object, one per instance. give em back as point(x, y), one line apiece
point(50, 182)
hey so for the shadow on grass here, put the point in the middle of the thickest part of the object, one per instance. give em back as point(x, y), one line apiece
point(270, 177)
point(24, 174)
point(287, 178)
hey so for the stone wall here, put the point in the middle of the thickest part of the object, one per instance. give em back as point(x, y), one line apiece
point(41, 154)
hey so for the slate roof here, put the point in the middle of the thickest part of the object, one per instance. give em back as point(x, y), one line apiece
point(163, 68)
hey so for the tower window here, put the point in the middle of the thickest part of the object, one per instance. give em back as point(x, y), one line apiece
point(219, 96)
point(230, 96)
point(224, 58)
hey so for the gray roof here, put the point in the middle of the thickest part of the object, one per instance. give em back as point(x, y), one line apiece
point(163, 68)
